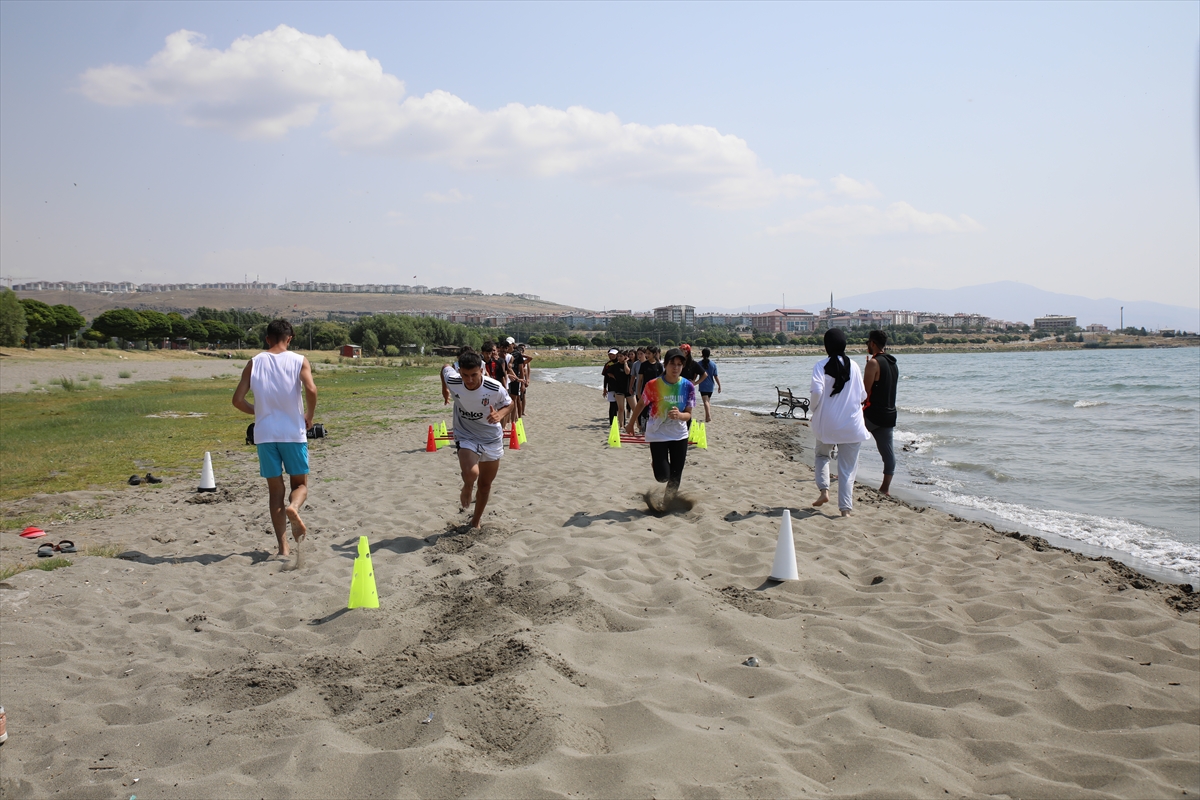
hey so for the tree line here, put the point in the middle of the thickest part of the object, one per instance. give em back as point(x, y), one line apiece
point(31, 322)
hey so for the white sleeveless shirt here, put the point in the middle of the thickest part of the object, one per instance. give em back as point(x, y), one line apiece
point(278, 397)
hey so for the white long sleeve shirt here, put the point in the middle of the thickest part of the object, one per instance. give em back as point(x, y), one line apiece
point(838, 419)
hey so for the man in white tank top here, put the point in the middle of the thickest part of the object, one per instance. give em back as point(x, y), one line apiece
point(285, 398)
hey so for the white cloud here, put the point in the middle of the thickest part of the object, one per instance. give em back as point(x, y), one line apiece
point(263, 86)
point(864, 220)
point(452, 196)
point(858, 190)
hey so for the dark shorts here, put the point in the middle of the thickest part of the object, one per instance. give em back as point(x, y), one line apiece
point(706, 394)
point(514, 388)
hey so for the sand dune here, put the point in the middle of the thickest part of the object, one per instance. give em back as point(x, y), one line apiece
point(581, 646)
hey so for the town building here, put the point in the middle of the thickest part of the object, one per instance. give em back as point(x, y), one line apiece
point(680, 315)
point(792, 321)
point(1054, 322)
point(725, 320)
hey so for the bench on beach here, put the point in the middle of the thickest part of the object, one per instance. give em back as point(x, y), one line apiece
point(789, 403)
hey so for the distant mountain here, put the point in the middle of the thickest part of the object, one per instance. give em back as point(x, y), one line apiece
point(1017, 302)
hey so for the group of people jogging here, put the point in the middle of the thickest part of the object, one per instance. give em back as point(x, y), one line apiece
point(656, 396)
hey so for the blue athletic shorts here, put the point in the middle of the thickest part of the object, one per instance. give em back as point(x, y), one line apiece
point(276, 457)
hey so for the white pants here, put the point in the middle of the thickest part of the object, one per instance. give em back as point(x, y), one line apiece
point(847, 466)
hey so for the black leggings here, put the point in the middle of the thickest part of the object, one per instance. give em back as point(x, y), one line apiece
point(667, 459)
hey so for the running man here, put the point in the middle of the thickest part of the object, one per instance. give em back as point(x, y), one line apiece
point(481, 404)
point(670, 400)
point(285, 398)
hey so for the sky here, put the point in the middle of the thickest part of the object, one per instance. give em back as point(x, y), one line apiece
point(606, 155)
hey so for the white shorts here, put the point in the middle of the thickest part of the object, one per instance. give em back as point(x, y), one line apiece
point(486, 452)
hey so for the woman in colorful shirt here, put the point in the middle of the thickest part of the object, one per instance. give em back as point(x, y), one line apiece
point(670, 400)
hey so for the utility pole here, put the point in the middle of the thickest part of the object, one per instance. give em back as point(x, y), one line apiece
point(1122, 317)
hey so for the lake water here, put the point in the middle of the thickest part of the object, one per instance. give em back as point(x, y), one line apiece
point(1098, 450)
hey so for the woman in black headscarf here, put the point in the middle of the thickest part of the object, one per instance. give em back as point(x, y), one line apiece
point(837, 419)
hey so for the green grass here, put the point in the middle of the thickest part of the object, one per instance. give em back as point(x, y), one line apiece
point(46, 564)
point(65, 441)
point(124, 374)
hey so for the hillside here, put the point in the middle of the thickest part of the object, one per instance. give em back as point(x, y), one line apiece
point(275, 302)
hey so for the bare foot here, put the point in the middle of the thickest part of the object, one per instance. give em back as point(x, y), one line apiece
point(299, 529)
point(845, 512)
point(464, 497)
point(822, 500)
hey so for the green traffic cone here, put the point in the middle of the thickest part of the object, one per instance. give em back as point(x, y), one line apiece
point(362, 584)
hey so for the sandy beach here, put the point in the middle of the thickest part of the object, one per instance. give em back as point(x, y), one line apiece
point(581, 646)
point(30, 370)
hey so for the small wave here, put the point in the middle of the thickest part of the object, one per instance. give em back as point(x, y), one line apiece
point(922, 410)
point(1089, 403)
point(1148, 544)
point(912, 442)
point(967, 466)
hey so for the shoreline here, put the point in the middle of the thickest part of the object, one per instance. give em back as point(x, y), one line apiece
point(1174, 582)
point(924, 499)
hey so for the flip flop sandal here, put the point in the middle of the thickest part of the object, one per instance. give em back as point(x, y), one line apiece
point(66, 546)
point(151, 479)
point(134, 480)
point(46, 550)
point(32, 532)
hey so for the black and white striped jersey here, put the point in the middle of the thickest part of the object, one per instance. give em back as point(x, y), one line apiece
point(472, 406)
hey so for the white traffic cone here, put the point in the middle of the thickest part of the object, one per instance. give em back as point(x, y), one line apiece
point(784, 568)
point(207, 482)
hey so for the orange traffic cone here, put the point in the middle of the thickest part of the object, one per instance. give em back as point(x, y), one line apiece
point(514, 441)
point(430, 443)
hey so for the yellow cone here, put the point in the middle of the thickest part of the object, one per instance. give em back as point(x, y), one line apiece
point(614, 434)
point(702, 437)
point(362, 584)
point(521, 430)
point(439, 432)
point(694, 433)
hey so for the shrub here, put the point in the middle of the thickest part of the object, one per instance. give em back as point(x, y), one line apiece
point(392, 351)
point(124, 374)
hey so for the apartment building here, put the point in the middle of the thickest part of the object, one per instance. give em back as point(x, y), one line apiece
point(680, 315)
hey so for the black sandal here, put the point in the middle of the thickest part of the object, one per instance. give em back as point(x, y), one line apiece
point(151, 479)
point(66, 546)
point(46, 550)
point(134, 480)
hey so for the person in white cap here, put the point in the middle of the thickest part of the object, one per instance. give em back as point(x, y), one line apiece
point(616, 385)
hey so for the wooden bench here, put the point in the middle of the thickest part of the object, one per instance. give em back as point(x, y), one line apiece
point(789, 403)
